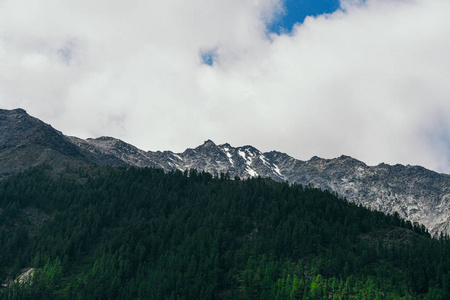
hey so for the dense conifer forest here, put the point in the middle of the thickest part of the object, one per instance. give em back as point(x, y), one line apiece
point(116, 233)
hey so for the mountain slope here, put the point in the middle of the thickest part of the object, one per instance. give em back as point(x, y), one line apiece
point(129, 233)
point(415, 193)
point(26, 141)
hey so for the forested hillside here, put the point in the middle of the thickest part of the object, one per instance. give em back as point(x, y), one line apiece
point(116, 233)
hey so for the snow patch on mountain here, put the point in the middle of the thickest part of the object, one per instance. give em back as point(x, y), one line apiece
point(251, 172)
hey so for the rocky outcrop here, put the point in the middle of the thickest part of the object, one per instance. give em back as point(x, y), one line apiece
point(24, 278)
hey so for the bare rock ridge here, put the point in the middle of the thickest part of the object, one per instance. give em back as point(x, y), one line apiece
point(26, 141)
point(417, 194)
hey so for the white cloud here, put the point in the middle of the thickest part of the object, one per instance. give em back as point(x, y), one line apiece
point(370, 81)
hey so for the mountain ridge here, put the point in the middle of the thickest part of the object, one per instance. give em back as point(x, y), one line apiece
point(415, 193)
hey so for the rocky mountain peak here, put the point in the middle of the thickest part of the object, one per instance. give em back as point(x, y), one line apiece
point(344, 158)
point(27, 141)
point(208, 145)
point(16, 111)
point(20, 111)
point(417, 194)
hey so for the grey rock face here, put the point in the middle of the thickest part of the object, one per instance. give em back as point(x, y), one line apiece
point(108, 151)
point(26, 141)
point(417, 194)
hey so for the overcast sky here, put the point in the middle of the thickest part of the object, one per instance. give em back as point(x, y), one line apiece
point(366, 79)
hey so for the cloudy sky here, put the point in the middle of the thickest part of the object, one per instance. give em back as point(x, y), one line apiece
point(369, 79)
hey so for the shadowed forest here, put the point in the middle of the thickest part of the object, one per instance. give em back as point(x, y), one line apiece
point(117, 233)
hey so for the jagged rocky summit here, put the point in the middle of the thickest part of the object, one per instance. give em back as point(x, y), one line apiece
point(417, 194)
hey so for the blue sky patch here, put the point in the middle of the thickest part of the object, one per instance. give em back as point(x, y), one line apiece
point(297, 10)
point(209, 56)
